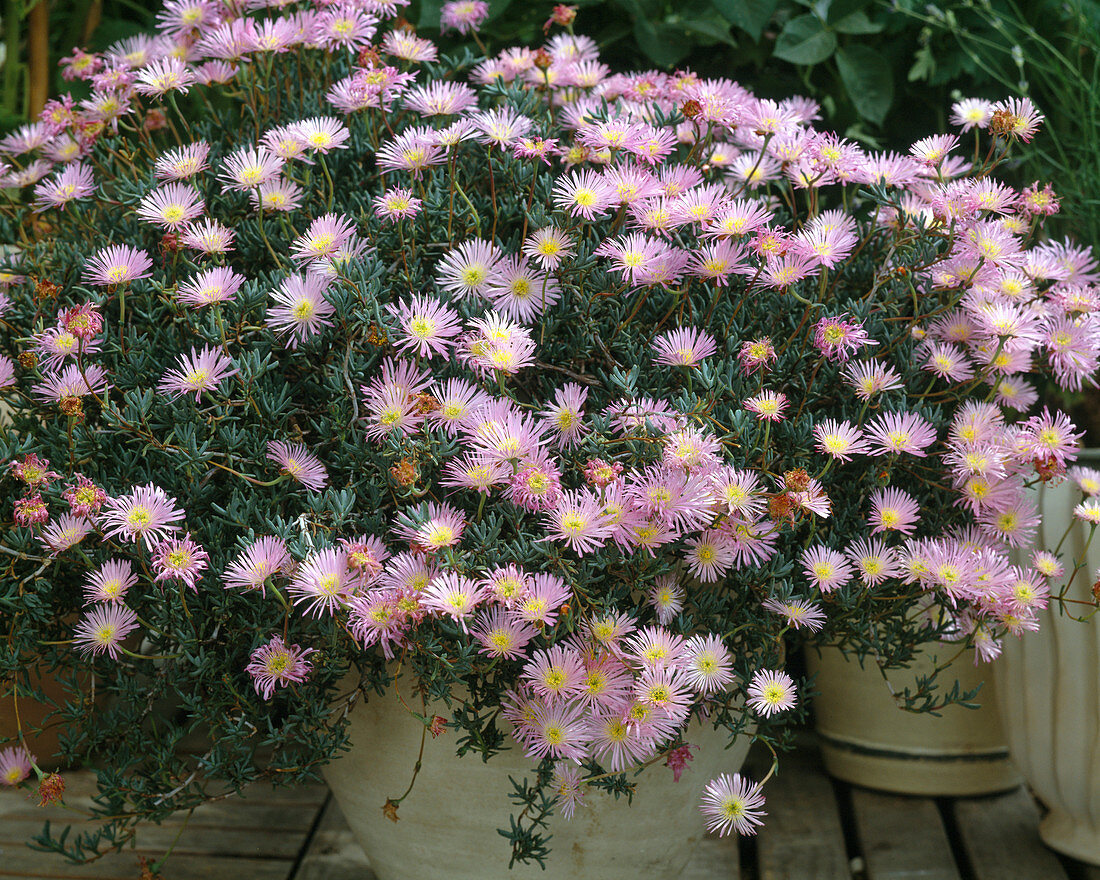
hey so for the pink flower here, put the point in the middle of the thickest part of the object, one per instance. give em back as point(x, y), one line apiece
point(110, 582)
point(463, 16)
point(171, 206)
point(453, 595)
point(768, 405)
point(322, 133)
point(466, 270)
point(502, 635)
point(839, 440)
point(64, 532)
point(567, 786)
point(894, 510)
point(431, 527)
point(536, 485)
point(837, 339)
point(248, 167)
point(895, 433)
point(179, 559)
point(71, 183)
point(548, 247)
point(826, 569)
point(300, 308)
point(118, 264)
point(211, 286)
point(869, 378)
point(558, 730)
point(16, 764)
point(732, 803)
point(325, 236)
point(429, 325)
point(265, 558)
point(440, 98)
point(616, 743)
point(1048, 438)
point(148, 513)
point(875, 561)
point(666, 597)
point(771, 691)
point(539, 604)
point(707, 665)
point(798, 613)
point(412, 150)
point(201, 370)
point(685, 347)
point(183, 162)
point(520, 292)
point(583, 193)
point(33, 471)
point(1016, 117)
point(323, 581)
point(31, 510)
point(297, 461)
point(83, 321)
point(396, 204)
point(209, 236)
point(162, 76)
point(556, 675)
point(278, 664)
point(102, 630)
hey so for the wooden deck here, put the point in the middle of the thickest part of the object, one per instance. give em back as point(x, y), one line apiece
point(816, 829)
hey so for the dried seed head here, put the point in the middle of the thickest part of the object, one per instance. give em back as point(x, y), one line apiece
point(797, 480)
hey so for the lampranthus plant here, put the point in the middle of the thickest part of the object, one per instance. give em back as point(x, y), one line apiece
point(570, 397)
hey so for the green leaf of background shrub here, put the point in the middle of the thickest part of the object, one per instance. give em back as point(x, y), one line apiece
point(805, 40)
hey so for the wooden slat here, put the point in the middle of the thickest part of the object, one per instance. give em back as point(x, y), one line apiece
point(902, 838)
point(334, 854)
point(802, 835)
point(26, 864)
point(715, 858)
point(198, 840)
point(257, 836)
point(1001, 838)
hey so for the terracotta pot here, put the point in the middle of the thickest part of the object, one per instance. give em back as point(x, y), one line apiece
point(1048, 687)
point(866, 739)
point(447, 827)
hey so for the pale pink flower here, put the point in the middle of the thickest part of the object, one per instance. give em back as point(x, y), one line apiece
point(118, 264)
point(300, 309)
point(894, 510)
point(201, 370)
point(685, 346)
point(102, 630)
point(265, 557)
point(179, 559)
point(148, 513)
point(278, 664)
point(324, 581)
point(732, 803)
point(771, 691)
point(297, 461)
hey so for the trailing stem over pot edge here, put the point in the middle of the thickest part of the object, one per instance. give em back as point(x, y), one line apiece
point(580, 392)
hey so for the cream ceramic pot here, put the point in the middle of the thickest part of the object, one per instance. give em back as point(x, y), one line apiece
point(1048, 687)
point(447, 826)
point(866, 739)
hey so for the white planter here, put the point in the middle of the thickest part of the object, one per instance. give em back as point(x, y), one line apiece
point(867, 740)
point(447, 827)
point(1049, 692)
